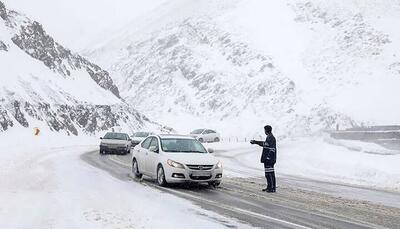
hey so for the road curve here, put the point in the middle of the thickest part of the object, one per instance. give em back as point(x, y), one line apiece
point(242, 199)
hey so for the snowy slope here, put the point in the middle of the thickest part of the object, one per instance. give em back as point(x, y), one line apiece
point(44, 84)
point(235, 65)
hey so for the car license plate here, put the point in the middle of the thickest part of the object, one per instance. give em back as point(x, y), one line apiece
point(201, 173)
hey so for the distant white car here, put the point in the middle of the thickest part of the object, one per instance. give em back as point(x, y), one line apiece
point(115, 143)
point(175, 159)
point(206, 135)
point(139, 136)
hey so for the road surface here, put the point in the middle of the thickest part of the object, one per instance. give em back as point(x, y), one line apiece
point(299, 203)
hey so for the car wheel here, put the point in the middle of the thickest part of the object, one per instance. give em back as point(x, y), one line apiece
point(214, 183)
point(135, 170)
point(216, 139)
point(201, 140)
point(161, 176)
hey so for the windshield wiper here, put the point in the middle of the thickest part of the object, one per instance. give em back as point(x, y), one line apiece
point(192, 151)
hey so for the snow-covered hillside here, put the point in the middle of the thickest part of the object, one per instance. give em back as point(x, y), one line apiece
point(46, 85)
point(235, 65)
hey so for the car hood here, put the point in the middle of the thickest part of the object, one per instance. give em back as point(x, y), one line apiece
point(114, 141)
point(193, 158)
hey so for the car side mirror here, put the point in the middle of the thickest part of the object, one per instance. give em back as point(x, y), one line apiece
point(210, 150)
point(101, 137)
point(153, 149)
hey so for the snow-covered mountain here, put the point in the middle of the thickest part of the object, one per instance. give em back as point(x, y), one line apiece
point(45, 84)
point(235, 65)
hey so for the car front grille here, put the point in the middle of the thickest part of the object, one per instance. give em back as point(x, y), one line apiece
point(200, 177)
point(200, 167)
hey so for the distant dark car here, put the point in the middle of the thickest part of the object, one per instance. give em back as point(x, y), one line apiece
point(112, 142)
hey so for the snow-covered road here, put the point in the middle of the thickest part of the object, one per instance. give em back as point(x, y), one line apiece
point(45, 186)
point(291, 207)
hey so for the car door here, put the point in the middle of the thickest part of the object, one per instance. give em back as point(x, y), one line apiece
point(142, 154)
point(213, 135)
point(207, 136)
point(152, 157)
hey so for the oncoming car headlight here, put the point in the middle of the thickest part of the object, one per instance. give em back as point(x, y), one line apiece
point(219, 165)
point(175, 164)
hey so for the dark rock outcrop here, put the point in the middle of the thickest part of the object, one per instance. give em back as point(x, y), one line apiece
point(34, 40)
point(31, 37)
point(3, 47)
point(3, 11)
point(74, 119)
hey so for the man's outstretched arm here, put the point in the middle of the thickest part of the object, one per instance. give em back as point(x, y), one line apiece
point(260, 143)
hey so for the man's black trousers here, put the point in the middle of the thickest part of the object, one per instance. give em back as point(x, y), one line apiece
point(270, 175)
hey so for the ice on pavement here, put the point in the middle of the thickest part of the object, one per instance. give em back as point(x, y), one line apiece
point(44, 184)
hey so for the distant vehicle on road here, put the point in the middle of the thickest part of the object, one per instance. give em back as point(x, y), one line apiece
point(175, 159)
point(139, 136)
point(206, 135)
point(114, 142)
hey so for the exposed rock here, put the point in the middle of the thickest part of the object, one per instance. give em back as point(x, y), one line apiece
point(3, 11)
point(34, 40)
point(89, 119)
point(3, 47)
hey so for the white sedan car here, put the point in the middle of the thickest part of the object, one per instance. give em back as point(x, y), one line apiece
point(206, 135)
point(175, 159)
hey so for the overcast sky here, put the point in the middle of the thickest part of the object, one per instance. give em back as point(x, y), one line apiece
point(77, 23)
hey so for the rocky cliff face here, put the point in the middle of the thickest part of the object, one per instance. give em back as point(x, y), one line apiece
point(43, 83)
point(32, 38)
point(72, 120)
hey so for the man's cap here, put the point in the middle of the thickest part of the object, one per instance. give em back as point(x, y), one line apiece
point(268, 128)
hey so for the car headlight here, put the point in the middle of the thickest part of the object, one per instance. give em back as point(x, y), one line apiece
point(175, 164)
point(219, 165)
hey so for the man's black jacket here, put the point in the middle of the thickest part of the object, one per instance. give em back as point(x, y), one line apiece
point(268, 155)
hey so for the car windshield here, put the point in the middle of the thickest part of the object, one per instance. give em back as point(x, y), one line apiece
point(199, 131)
point(182, 146)
point(118, 136)
point(142, 134)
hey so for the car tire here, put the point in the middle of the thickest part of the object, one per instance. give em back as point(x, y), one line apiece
point(201, 140)
point(161, 176)
point(135, 170)
point(216, 139)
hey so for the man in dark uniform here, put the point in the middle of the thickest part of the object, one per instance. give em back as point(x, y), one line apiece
point(268, 157)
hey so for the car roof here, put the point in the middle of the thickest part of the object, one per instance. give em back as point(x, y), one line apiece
point(169, 136)
point(116, 133)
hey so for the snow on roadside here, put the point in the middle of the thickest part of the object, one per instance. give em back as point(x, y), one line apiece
point(44, 184)
point(317, 158)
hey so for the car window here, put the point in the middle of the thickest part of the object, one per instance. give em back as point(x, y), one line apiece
point(207, 132)
point(212, 131)
point(116, 136)
point(154, 142)
point(198, 131)
point(177, 145)
point(146, 143)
